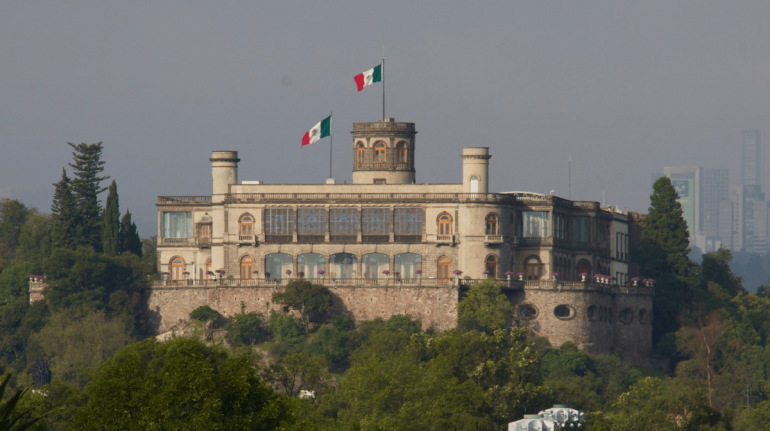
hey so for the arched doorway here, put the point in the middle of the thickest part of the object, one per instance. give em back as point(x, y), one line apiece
point(247, 266)
point(443, 268)
point(584, 266)
point(177, 269)
point(491, 266)
point(533, 268)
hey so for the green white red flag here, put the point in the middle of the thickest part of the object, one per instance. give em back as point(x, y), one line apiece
point(320, 130)
point(369, 77)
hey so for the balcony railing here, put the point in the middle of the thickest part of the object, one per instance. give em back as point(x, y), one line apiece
point(493, 239)
point(368, 197)
point(184, 200)
point(445, 239)
point(178, 241)
point(246, 239)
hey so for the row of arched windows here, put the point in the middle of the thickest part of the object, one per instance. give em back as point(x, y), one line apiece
point(380, 152)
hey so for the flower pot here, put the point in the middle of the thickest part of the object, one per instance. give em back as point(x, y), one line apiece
point(584, 278)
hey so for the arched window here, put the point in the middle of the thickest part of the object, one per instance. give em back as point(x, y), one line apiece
point(374, 264)
point(247, 225)
point(343, 265)
point(247, 267)
point(491, 266)
point(309, 264)
point(407, 265)
point(360, 153)
point(492, 224)
point(474, 184)
point(379, 152)
point(533, 268)
point(443, 268)
point(445, 224)
point(401, 150)
point(276, 265)
point(208, 268)
point(584, 265)
point(177, 269)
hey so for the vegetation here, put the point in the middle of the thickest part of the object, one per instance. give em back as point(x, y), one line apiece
point(204, 313)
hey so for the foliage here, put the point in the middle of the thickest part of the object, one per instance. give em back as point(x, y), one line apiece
point(65, 225)
point(77, 342)
point(204, 313)
point(86, 187)
point(285, 328)
point(13, 216)
point(129, 237)
point(35, 240)
point(11, 418)
point(111, 230)
point(296, 371)
point(245, 328)
point(309, 299)
point(179, 384)
point(150, 252)
point(484, 307)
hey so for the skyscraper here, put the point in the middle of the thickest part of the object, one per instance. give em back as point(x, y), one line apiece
point(751, 165)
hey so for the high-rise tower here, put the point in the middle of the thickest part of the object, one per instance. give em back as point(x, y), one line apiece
point(751, 164)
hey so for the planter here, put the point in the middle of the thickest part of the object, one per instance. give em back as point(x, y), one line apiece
point(584, 278)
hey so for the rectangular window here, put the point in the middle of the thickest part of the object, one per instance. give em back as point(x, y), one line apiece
point(375, 221)
point(559, 230)
point(343, 221)
point(534, 224)
point(205, 231)
point(580, 229)
point(312, 221)
point(408, 221)
point(279, 221)
point(177, 225)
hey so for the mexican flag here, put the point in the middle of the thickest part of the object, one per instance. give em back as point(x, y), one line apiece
point(320, 130)
point(369, 77)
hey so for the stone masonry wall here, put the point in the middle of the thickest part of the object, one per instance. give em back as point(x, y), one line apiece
point(435, 306)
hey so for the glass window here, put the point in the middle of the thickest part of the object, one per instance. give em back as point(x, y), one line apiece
point(375, 221)
point(374, 264)
point(491, 224)
point(177, 225)
point(379, 152)
point(407, 265)
point(360, 152)
point(343, 265)
point(533, 268)
point(445, 225)
point(443, 268)
point(247, 226)
point(279, 221)
point(247, 267)
point(491, 266)
point(559, 226)
point(580, 229)
point(309, 264)
point(474, 185)
point(401, 148)
point(534, 224)
point(408, 221)
point(277, 264)
point(205, 231)
point(343, 221)
point(311, 221)
point(177, 269)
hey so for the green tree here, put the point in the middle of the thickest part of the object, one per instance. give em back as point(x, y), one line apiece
point(150, 251)
point(306, 298)
point(11, 419)
point(204, 313)
point(35, 239)
point(662, 256)
point(129, 238)
point(13, 216)
point(86, 186)
point(111, 244)
point(296, 371)
point(181, 384)
point(715, 268)
point(285, 328)
point(244, 328)
point(484, 307)
point(65, 225)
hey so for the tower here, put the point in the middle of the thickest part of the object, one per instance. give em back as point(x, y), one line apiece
point(224, 171)
point(751, 165)
point(383, 152)
point(476, 169)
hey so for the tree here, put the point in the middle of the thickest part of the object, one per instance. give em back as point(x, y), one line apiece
point(86, 187)
point(716, 268)
point(35, 239)
point(13, 216)
point(306, 298)
point(484, 307)
point(111, 244)
point(150, 251)
point(244, 328)
point(297, 370)
point(129, 238)
point(65, 227)
point(176, 385)
point(10, 418)
point(204, 313)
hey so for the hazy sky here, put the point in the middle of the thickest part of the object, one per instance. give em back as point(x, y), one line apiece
point(626, 87)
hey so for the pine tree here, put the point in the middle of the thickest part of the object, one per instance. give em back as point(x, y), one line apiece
point(65, 232)
point(129, 237)
point(86, 187)
point(111, 223)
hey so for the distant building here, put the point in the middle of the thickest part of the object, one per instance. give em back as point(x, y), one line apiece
point(751, 164)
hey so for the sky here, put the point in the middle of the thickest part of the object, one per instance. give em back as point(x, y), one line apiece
point(625, 87)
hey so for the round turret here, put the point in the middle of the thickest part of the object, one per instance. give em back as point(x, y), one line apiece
point(383, 152)
point(224, 171)
point(476, 169)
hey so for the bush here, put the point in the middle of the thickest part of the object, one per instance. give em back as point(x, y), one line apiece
point(245, 329)
point(204, 313)
point(285, 328)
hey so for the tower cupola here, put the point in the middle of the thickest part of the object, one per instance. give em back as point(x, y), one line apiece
point(383, 152)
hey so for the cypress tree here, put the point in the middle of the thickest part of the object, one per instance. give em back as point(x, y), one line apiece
point(111, 230)
point(129, 237)
point(86, 187)
point(64, 227)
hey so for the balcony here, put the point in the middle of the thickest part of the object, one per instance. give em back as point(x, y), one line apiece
point(177, 241)
point(246, 239)
point(531, 241)
point(184, 200)
point(445, 239)
point(494, 239)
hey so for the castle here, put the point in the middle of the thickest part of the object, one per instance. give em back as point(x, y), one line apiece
point(387, 245)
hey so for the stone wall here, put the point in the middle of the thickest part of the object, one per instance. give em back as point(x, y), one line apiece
point(435, 306)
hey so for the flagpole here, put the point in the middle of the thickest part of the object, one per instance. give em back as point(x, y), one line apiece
point(383, 83)
point(331, 136)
